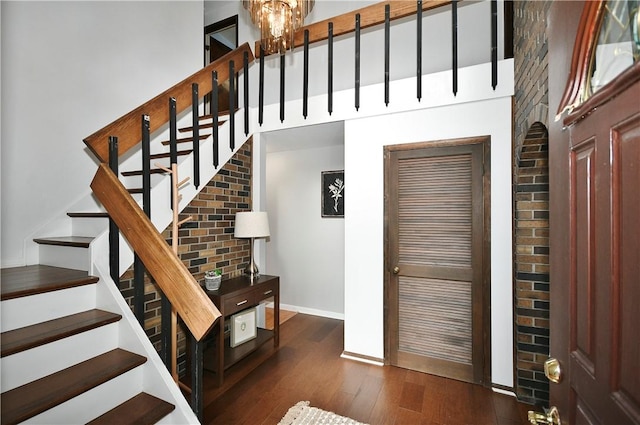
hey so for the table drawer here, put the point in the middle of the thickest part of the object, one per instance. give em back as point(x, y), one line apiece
point(266, 291)
point(239, 302)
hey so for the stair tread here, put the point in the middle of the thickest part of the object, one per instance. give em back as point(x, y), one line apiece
point(26, 401)
point(74, 241)
point(186, 139)
point(139, 172)
point(22, 339)
point(168, 154)
point(95, 214)
point(30, 280)
point(143, 409)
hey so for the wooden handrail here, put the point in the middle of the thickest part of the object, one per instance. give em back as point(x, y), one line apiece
point(172, 276)
point(369, 16)
point(127, 127)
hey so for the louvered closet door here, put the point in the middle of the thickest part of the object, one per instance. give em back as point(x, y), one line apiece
point(435, 209)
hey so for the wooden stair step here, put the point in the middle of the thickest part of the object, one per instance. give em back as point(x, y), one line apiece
point(139, 172)
point(96, 214)
point(168, 154)
point(26, 401)
point(17, 340)
point(186, 139)
point(205, 125)
point(73, 241)
point(143, 409)
point(31, 280)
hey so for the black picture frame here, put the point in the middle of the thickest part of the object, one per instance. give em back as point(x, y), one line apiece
point(332, 194)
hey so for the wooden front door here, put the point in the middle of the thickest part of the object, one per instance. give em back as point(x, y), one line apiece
point(436, 287)
point(595, 229)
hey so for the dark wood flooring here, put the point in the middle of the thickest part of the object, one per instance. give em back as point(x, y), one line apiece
point(307, 366)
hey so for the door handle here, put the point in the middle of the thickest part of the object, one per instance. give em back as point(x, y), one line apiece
point(552, 370)
point(396, 270)
point(550, 417)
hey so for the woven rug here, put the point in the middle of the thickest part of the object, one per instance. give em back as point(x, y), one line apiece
point(303, 414)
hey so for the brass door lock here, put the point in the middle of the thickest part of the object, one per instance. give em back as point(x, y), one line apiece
point(550, 417)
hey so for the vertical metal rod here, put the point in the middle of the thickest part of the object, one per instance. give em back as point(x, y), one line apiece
point(494, 44)
point(232, 106)
point(166, 331)
point(138, 266)
point(305, 76)
point(195, 122)
point(261, 89)
point(114, 232)
point(357, 78)
point(419, 50)
point(197, 377)
point(214, 116)
point(282, 64)
point(387, 36)
point(330, 69)
point(454, 44)
point(173, 142)
point(245, 104)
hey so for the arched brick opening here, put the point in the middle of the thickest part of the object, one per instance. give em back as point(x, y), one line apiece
point(531, 277)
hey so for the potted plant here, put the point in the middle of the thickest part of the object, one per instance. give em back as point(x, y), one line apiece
point(212, 279)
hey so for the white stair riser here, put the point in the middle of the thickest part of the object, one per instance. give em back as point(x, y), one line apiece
point(88, 226)
point(65, 256)
point(21, 368)
point(20, 312)
point(91, 404)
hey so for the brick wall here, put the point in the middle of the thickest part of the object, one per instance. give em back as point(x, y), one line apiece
point(206, 242)
point(531, 195)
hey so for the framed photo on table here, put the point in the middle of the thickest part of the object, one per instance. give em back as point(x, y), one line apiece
point(332, 193)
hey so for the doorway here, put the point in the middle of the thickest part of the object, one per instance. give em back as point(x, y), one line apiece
point(220, 38)
point(437, 285)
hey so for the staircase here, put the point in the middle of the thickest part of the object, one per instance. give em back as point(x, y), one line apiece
point(46, 378)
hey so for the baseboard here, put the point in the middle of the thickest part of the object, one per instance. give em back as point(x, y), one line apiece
point(310, 311)
point(361, 358)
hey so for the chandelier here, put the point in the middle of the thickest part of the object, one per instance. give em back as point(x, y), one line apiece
point(278, 21)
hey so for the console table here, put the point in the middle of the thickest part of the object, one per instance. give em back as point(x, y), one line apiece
point(233, 296)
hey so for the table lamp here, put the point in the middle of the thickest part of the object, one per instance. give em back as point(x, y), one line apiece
point(251, 224)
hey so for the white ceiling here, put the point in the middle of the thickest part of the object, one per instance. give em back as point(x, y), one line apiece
point(308, 137)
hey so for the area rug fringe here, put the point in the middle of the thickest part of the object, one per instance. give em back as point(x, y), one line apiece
point(303, 414)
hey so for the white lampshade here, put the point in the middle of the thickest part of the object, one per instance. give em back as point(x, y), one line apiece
point(251, 224)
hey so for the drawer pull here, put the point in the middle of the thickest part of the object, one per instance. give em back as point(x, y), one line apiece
point(242, 302)
point(268, 292)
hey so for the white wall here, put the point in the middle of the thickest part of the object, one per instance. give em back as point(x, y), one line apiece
point(305, 250)
point(364, 226)
point(68, 69)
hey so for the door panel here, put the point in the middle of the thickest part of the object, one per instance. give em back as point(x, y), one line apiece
point(435, 210)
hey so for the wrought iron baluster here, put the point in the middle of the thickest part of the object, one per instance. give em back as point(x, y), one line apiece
point(387, 37)
point(214, 116)
point(173, 142)
point(305, 76)
point(261, 89)
point(197, 376)
point(282, 73)
point(419, 50)
point(245, 74)
point(357, 78)
point(330, 69)
point(232, 106)
point(454, 44)
point(494, 44)
point(195, 123)
point(114, 232)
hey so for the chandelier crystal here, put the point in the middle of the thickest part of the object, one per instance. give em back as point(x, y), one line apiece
point(278, 20)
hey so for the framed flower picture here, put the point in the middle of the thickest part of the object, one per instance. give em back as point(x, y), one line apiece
point(332, 193)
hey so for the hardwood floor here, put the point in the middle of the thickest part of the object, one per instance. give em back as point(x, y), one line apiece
point(307, 366)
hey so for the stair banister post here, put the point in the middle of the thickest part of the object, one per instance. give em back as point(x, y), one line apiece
point(245, 63)
point(232, 106)
point(214, 114)
point(195, 120)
